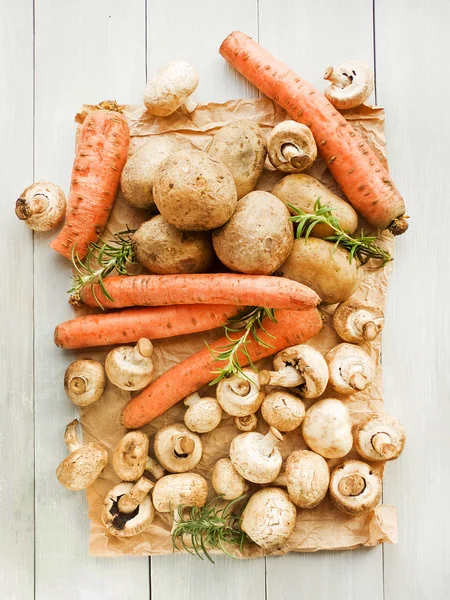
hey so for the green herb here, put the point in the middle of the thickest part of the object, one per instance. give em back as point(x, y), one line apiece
point(362, 248)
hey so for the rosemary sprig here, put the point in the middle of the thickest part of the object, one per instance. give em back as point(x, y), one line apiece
point(362, 248)
point(208, 527)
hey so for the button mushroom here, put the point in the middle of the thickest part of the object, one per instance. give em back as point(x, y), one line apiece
point(171, 89)
point(42, 206)
point(203, 414)
point(350, 368)
point(307, 478)
point(84, 381)
point(131, 460)
point(130, 367)
point(177, 449)
point(327, 428)
point(84, 464)
point(355, 488)
point(181, 490)
point(291, 147)
point(226, 481)
point(240, 396)
point(255, 456)
point(248, 423)
point(350, 84)
point(358, 321)
point(379, 437)
point(299, 366)
point(128, 509)
point(269, 518)
point(283, 411)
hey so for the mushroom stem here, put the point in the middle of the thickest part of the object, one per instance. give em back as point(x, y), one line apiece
point(371, 329)
point(192, 399)
point(129, 502)
point(295, 156)
point(268, 442)
point(241, 387)
point(143, 349)
point(35, 205)
point(383, 445)
point(79, 384)
point(183, 445)
point(336, 77)
point(189, 105)
point(358, 380)
point(70, 436)
point(281, 480)
point(248, 423)
point(153, 467)
point(352, 485)
point(287, 377)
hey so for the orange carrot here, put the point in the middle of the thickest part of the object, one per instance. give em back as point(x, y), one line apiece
point(125, 326)
point(188, 376)
point(212, 288)
point(101, 154)
point(363, 179)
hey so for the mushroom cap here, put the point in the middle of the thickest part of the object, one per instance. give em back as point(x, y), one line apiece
point(130, 456)
point(238, 396)
point(309, 363)
point(82, 467)
point(203, 416)
point(290, 137)
point(282, 410)
point(350, 368)
point(308, 477)
point(355, 488)
point(130, 368)
point(226, 481)
point(42, 205)
point(183, 489)
point(248, 423)
point(327, 428)
point(84, 381)
point(170, 88)
point(126, 524)
point(165, 444)
point(357, 320)
point(269, 518)
point(356, 92)
point(392, 437)
point(252, 460)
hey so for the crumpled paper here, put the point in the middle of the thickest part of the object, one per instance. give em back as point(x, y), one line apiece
point(321, 528)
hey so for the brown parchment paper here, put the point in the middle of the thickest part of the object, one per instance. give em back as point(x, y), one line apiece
point(322, 528)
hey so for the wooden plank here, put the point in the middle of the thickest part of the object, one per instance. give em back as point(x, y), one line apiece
point(16, 302)
point(412, 39)
point(85, 52)
point(309, 36)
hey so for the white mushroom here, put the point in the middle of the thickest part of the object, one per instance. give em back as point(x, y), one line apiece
point(307, 477)
point(226, 481)
point(298, 366)
point(128, 509)
point(240, 396)
point(269, 518)
point(84, 381)
point(358, 321)
point(255, 456)
point(42, 205)
point(177, 449)
point(183, 489)
point(84, 464)
point(203, 414)
point(350, 368)
point(327, 428)
point(248, 423)
point(351, 84)
point(291, 147)
point(131, 460)
point(283, 411)
point(130, 367)
point(171, 89)
point(355, 488)
point(379, 437)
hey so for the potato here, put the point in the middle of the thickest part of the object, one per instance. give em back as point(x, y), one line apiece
point(323, 267)
point(241, 146)
point(194, 192)
point(259, 236)
point(302, 191)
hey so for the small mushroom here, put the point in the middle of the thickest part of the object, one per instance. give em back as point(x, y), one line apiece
point(291, 147)
point(84, 381)
point(128, 509)
point(42, 206)
point(131, 460)
point(358, 321)
point(226, 481)
point(298, 366)
point(203, 414)
point(307, 477)
point(350, 368)
point(177, 449)
point(256, 457)
point(379, 437)
point(350, 84)
point(248, 423)
point(283, 411)
point(355, 488)
point(84, 464)
point(130, 367)
point(183, 489)
point(240, 396)
point(269, 518)
point(171, 89)
point(327, 428)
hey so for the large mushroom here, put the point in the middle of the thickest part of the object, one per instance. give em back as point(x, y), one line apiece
point(358, 321)
point(307, 477)
point(327, 428)
point(355, 488)
point(128, 509)
point(130, 368)
point(291, 147)
point(181, 490)
point(350, 368)
point(226, 481)
point(351, 83)
point(379, 437)
point(283, 411)
point(177, 449)
point(203, 414)
point(256, 457)
point(42, 205)
point(171, 88)
point(240, 396)
point(131, 460)
point(84, 381)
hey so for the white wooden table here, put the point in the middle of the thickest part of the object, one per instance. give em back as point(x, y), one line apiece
point(56, 55)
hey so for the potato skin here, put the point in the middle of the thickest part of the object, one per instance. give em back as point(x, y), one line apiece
point(194, 192)
point(302, 191)
point(259, 236)
point(323, 267)
point(162, 248)
point(241, 146)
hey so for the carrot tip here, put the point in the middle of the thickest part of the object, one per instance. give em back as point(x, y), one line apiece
point(398, 226)
point(110, 105)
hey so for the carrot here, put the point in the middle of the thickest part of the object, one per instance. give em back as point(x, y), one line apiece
point(188, 376)
point(363, 179)
point(212, 288)
point(101, 154)
point(125, 326)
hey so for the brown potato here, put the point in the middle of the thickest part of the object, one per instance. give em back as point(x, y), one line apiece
point(259, 236)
